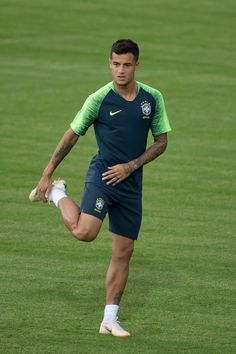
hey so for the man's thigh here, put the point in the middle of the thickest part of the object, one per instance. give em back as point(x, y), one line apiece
point(93, 207)
point(95, 201)
point(125, 217)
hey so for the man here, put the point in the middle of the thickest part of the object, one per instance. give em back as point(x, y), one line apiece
point(122, 112)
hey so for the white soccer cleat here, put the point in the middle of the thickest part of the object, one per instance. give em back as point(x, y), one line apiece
point(33, 197)
point(58, 183)
point(115, 329)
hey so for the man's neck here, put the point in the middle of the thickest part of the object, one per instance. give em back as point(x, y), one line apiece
point(128, 92)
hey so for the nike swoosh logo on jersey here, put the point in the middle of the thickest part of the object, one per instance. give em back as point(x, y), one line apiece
point(116, 112)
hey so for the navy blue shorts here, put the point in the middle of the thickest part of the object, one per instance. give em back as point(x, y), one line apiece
point(125, 212)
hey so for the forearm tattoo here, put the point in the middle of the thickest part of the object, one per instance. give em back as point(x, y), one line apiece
point(151, 153)
point(61, 151)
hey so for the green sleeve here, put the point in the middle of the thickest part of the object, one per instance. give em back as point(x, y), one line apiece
point(86, 116)
point(160, 122)
point(89, 112)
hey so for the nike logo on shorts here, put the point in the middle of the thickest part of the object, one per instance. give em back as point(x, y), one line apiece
point(116, 112)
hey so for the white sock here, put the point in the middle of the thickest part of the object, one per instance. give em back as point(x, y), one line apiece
point(110, 313)
point(55, 195)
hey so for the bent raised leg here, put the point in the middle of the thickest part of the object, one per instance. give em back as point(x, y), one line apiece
point(82, 226)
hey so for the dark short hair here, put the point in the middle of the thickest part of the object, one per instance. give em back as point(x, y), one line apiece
point(123, 46)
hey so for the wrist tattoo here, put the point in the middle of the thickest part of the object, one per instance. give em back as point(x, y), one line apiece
point(128, 168)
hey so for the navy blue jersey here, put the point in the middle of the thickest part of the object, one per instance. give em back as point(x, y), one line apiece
point(121, 128)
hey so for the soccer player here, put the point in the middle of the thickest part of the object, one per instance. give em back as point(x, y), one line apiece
point(122, 113)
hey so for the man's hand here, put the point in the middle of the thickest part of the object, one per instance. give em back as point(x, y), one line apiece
point(43, 188)
point(117, 173)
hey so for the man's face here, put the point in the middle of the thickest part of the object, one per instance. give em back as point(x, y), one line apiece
point(123, 67)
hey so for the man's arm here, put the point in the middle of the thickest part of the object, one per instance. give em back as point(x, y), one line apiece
point(66, 143)
point(155, 150)
point(119, 172)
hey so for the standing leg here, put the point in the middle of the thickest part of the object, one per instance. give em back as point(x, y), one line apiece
point(118, 271)
point(116, 278)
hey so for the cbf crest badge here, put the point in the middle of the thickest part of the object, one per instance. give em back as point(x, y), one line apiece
point(99, 204)
point(146, 109)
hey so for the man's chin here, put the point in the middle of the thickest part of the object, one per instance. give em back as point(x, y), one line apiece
point(121, 83)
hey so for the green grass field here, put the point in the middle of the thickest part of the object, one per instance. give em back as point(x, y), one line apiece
point(181, 295)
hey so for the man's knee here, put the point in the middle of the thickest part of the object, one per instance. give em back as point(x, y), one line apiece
point(124, 253)
point(129, 251)
point(84, 234)
point(87, 228)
